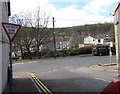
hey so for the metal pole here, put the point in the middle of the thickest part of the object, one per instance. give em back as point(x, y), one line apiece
point(11, 74)
point(54, 37)
point(10, 69)
point(110, 55)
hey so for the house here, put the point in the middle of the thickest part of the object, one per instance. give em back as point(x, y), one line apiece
point(90, 40)
point(62, 43)
point(116, 14)
point(95, 40)
point(4, 44)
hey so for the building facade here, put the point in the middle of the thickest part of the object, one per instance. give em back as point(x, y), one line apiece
point(62, 43)
point(4, 44)
point(89, 40)
point(116, 14)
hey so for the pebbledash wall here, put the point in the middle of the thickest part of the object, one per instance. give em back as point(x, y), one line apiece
point(4, 46)
point(116, 14)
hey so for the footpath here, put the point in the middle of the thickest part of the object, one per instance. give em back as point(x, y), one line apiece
point(106, 67)
point(21, 83)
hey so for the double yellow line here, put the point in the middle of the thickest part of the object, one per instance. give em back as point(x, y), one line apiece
point(40, 84)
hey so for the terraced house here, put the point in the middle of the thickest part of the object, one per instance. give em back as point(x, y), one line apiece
point(4, 44)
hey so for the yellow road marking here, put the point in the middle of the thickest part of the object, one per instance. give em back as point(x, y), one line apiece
point(44, 86)
point(40, 84)
point(25, 62)
point(18, 63)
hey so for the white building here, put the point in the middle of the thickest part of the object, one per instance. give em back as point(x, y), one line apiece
point(4, 44)
point(62, 43)
point(89, 40)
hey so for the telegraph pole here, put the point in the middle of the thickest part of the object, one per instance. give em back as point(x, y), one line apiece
point(54, 42)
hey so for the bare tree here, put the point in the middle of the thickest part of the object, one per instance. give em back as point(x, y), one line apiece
point(34, 30)
point(39, 26)
point(24, 39)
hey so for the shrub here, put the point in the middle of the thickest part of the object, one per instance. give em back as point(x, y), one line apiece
point(65, 53)
point(72, 52)
point(82, 50)
point(85, 50)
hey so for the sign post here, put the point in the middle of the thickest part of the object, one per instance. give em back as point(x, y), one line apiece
point(110, 46)
point(11, 30)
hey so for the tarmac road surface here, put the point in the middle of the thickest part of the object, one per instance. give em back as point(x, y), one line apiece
point(69, 74)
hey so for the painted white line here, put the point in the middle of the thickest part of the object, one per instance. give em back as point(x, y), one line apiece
point(102, 79)
point(36, 85)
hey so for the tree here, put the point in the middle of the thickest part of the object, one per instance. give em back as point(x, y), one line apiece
point(34, 31)
point(24, 39)
point(39, 26)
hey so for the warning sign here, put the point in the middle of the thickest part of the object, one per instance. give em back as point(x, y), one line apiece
point(11, 30)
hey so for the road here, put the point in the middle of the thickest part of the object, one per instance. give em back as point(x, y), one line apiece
point(70, 74)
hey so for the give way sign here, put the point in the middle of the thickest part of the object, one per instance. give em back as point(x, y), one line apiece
point(11, 30)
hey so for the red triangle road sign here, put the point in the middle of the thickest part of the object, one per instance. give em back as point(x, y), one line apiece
point(11, 30)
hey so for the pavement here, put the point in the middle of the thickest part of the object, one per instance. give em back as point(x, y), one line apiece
point(106, 67)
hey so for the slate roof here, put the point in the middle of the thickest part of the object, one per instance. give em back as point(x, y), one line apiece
point(99, 37)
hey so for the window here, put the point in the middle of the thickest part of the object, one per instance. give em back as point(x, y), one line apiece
point(99, 40)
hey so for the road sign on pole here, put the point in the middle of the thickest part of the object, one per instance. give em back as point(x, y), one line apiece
point(11, 30)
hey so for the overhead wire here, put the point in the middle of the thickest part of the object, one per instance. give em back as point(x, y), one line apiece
point(68, 19)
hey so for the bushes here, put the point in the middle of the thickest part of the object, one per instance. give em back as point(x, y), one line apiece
point(85, 50)
point(64, 53)
point(73, 52)
point(70, 52)
point(82, 50)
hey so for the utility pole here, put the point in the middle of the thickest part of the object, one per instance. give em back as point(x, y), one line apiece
point(38, 24)
point(10, 66)
point(54, 42)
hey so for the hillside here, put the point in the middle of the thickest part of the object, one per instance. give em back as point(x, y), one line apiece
point(94, 29)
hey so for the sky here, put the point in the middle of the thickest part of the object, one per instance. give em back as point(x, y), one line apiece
point(69, 12)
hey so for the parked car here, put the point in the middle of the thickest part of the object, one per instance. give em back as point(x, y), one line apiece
point(103, 50)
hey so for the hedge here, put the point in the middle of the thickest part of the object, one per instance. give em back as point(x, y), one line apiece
point(82, 50)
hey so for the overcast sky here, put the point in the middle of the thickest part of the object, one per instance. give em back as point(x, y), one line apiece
point(69, 12)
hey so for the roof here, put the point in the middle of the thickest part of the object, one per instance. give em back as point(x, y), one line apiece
point(96, 37)
point(115, 9)
point(62, 39)
point(99, 37)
